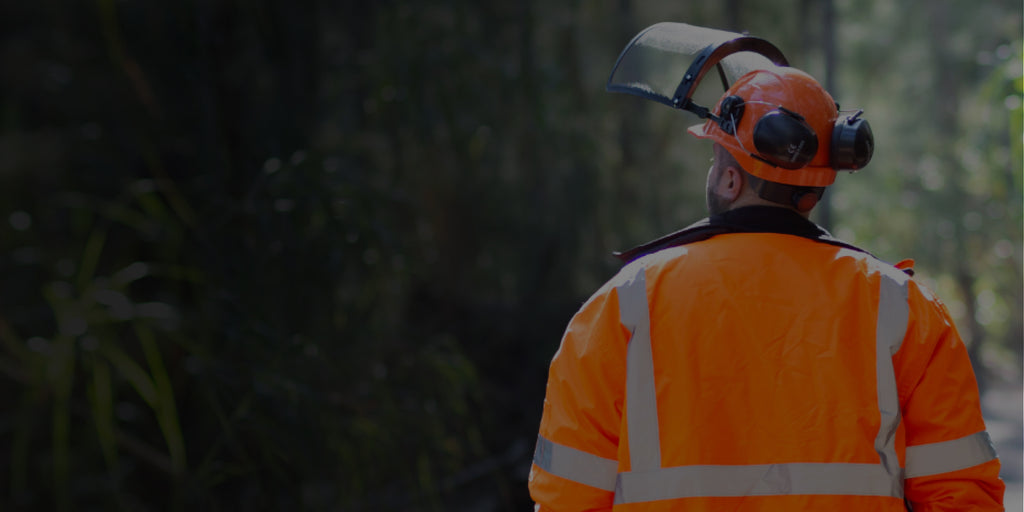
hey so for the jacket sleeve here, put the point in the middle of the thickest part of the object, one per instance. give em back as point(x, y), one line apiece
point(950, 462)
point(575, 463)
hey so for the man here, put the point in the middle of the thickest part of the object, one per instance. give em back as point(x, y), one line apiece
point(753, 362)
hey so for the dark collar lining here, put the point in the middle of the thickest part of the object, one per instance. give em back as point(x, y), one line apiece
point(749, 219)
point(768, 219)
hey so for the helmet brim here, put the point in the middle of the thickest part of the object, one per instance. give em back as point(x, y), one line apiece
point(700, 130)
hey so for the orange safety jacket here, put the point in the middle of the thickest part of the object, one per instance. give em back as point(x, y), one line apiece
point(762, 369)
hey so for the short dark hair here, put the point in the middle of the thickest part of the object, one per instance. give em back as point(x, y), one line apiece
point(725, 158)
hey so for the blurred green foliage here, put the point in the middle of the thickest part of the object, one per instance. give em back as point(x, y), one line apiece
point(316, 255)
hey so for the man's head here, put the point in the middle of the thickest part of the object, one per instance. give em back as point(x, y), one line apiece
point(779, 126)
point(729, 186)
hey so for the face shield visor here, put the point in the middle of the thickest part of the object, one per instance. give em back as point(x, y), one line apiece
point(667, 62)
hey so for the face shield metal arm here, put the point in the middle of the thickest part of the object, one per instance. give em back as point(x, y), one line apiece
point(712, 56)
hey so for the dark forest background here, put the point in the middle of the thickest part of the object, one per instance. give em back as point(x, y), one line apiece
point(316, 255)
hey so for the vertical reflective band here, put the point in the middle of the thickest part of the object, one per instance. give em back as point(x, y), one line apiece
point(893, 315)
point(641, 398)
point(576, 465)
point(936, 458)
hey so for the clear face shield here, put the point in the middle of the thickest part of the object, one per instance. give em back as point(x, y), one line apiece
point(667, 62)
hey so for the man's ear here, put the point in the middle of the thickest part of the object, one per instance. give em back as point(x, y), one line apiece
point(731, 185)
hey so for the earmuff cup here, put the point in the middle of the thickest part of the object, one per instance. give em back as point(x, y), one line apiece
point(853, 144)
point(784, 139)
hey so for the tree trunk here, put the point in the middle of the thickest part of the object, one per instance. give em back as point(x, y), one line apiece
point(945, 109)
point(732, 14)
point(828, 36)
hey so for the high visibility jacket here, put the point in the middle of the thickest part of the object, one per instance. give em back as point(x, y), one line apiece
point(763, 371)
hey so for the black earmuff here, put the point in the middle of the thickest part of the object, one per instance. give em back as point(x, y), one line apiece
point(784, 139)
point(853, 144)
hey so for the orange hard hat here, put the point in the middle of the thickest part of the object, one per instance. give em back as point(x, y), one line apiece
point(778, 123)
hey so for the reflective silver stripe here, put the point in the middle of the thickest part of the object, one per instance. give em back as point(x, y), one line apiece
point(893, 315)
point(641, 398)
point(943, 457)
point(753, 480)
point(575, 465)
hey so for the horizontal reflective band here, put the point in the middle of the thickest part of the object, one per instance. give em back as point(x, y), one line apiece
point(946, 456)
point(576, 465)
point(754, 480)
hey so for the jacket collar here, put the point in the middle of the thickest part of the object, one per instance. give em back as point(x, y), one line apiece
point(768, 219)
point(748, 219)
